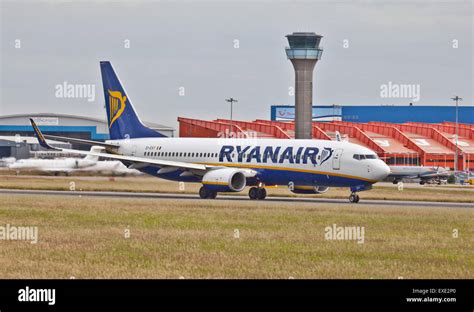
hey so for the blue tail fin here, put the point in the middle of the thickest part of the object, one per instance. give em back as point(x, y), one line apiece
point(122, 119)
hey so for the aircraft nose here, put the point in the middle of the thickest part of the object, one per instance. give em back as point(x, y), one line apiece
point(383, 170)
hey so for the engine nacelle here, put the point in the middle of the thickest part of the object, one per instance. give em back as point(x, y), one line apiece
point(224, 180)
point(303, 189)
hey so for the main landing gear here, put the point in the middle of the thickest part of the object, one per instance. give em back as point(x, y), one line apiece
point(354, 198)
point(204, 193)
point(257, 193)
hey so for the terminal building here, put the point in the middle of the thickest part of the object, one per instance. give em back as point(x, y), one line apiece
point(424, 136)
point(16, 133)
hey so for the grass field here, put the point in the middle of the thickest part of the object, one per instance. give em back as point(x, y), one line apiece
point(85, 237)
point(151, 184)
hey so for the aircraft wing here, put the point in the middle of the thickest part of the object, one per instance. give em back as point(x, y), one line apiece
point(137, 161)
point(78, 141)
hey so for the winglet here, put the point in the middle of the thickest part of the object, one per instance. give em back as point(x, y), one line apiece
point(40, 137)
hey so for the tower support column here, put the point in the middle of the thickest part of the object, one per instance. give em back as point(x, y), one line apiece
point(304, 52)
point(303, 97)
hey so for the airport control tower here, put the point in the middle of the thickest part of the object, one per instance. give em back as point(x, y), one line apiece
point(303, 52)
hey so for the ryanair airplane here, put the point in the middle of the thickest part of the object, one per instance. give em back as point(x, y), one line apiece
point(228, 165)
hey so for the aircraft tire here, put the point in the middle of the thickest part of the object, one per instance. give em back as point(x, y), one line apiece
point(253, 193)
point(212, 195)
point(354, 198)
point(204, 193)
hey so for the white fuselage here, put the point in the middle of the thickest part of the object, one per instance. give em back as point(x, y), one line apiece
point(417, 172)
point(278, 161)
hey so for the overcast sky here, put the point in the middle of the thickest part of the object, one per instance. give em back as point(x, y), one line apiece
point(192, 44)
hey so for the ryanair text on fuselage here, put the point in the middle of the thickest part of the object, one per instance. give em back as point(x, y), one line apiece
point(271, 154)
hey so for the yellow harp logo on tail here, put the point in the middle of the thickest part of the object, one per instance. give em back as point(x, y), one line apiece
point(116, 105)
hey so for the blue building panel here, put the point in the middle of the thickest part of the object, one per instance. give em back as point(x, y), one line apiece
point(401, 114)
point(394, 114)
point(320, 113)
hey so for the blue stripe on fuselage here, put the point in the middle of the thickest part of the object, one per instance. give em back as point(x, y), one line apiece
point(272, 177)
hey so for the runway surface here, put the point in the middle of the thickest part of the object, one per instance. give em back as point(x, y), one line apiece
point(272, 199)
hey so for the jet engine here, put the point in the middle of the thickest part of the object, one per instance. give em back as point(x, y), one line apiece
point(224, 180)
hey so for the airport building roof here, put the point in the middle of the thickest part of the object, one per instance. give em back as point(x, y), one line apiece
point(6, 118)
point(80, 127)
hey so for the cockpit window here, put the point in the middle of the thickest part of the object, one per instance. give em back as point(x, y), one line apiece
point(364, 156)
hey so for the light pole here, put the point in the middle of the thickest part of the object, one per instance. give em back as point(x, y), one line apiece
point(456, 99)
point(231, 101)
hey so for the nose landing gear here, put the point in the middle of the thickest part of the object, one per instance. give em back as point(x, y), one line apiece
point(354, 198)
